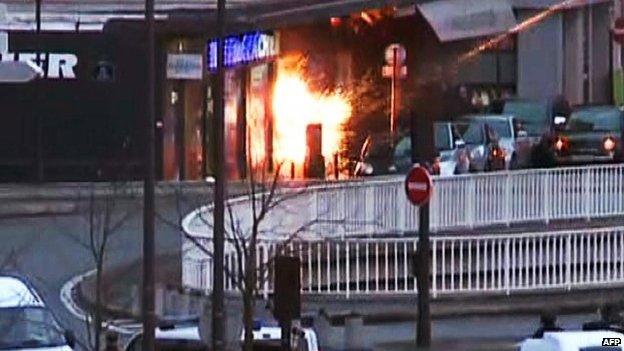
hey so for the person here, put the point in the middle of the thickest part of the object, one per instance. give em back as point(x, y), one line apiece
point(542, 155)
point(610, 319)
point(548, 323)
point(112, 341)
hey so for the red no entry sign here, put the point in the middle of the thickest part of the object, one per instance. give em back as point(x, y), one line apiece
point(418, 186)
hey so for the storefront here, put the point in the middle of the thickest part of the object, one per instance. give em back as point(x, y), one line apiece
point(188, 105)
point(77, 122)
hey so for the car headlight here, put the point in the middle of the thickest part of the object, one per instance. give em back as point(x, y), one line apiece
point(367, 168)
point(561, 144)
point(608, 144)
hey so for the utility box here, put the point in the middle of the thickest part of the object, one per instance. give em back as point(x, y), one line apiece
point(314, 166)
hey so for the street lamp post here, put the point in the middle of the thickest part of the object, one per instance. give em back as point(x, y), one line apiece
point(218, 308)
point(149, 317)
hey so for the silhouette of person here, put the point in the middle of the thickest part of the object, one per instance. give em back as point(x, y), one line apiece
point(610, 319)
point(548, 323)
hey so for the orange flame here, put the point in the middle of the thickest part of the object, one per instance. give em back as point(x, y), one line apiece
point(295, 106)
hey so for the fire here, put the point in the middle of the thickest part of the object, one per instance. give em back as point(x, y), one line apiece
point(295, 106)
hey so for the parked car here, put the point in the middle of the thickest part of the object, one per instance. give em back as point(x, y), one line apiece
point(574, 341)
point(489, 140)
point(591, 135)
point(26, 323)
point(538, 116)
point(267, 337)
point(539, 119)
point(171, 336)
point(378, 156)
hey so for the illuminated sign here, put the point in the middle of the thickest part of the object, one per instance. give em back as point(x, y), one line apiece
point(244, 49)
point(184, 66)
point(55, 65)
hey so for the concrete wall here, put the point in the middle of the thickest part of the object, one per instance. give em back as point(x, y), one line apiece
point(551, 56)
point(573, 54)
point(600, 91)
point(540, 52)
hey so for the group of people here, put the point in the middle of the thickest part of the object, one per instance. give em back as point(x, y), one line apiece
point(610, 319)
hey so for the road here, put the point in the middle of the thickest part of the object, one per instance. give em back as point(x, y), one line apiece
point(49, 250)
point(467, 332)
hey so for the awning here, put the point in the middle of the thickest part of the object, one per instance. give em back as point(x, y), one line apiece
point(463, 19)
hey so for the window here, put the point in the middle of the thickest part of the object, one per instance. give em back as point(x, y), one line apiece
point(501, 128)
point(29, 327)
point(534, 115)
point(595, 120)
point(473, 133)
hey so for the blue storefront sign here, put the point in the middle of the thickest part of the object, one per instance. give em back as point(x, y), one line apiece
point(243, 49)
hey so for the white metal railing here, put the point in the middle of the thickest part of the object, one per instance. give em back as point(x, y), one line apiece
point(379, 206)
point(460, 264)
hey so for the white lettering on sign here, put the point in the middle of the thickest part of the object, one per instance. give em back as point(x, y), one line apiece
point(55, 65)
point(418, 186)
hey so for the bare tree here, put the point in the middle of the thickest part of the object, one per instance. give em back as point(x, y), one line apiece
point(104, 218)
point(246, 227)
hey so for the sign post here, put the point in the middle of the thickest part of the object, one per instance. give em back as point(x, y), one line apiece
point(419, 188)
point(395, 70)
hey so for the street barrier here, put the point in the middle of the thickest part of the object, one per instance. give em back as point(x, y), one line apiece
point(338, 258)
point(460, 264)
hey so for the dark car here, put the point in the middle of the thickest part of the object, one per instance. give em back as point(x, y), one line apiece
point(379, 156)
point(485, 137)
point(537, 116)
point(591, 135)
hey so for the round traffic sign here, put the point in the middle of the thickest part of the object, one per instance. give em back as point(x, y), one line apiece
point(395, 51)
point(418, 186)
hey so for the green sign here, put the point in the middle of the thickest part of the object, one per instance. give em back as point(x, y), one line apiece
point(618, 87)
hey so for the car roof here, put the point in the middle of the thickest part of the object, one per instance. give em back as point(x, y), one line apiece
point(573, 340)
point(15, 292)
point(485, 118)
point(184, 333)
point(596, 108)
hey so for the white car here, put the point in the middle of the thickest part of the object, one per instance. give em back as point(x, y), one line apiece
point(302, 339)
point(25, 321)
point(181, 337)
point(575, 341)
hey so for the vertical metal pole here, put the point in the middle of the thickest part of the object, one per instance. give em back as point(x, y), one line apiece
point(37, 110)
point(285, 341)
point(423, 332)
point(218, 315)
point(149, 317)
point(420, 154)
point(393, 94)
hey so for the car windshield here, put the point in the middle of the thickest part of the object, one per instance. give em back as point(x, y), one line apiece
point(502, 128)
point(533, 114)
point(442, 137)
point(377, 146)
point(27, 328)
point(472, 132)
point(594, 121)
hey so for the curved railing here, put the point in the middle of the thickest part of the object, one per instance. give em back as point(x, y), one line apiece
point(460, 264)
point(344, 213)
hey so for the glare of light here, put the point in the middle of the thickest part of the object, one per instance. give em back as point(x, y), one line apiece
point(522, 26)
point(295, 106)
point(609, 144)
